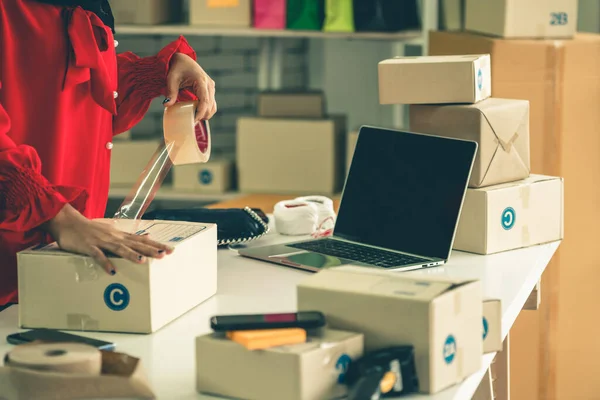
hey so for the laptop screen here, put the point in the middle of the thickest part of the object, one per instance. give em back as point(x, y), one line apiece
point(404, 191)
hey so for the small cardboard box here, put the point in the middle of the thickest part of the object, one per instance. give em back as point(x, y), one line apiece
point(291, 104)
point(308, 371)
point(534, 19)
point(511, 216)
point(216, 176)
point(233, 13)
point(435, 79)
point(145, 12)
point(492, 325)
point(125, 136)
point(440, 317)
point(499, 126)
point(350, 147)
point(128, 160)
point(60, 290)
point(290, 156)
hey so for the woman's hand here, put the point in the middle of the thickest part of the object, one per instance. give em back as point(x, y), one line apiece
point(75, 233)
point(185, 73)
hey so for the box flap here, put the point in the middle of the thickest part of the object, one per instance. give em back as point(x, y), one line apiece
point(505, 125)
point(533, 179)
point(368, 281)
point(432, 59)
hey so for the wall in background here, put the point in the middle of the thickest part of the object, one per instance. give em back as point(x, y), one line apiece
point(589, 16)
point(232, 63)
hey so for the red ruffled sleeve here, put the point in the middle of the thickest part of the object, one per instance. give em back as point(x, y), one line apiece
point(143, 79)
point(27, 199)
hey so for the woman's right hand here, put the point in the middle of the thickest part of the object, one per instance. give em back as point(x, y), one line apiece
point(75, 233)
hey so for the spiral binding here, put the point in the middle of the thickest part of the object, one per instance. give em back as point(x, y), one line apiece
point(255, 217)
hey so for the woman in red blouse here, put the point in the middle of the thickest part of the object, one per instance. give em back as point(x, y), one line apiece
point(64, 94)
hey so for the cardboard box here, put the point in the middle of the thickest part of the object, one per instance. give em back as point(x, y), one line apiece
point(435, 80)
point(125, 136)
point(440, 317)
point(60, 290)
point(511, 216)
point(291, 104)
point(290, 156)
point(492, 325)
point(535, 19)
point(350, 147)
point(308, 371)
point(146, 12)
point(499, 126)
point(234, 13)
point(128, 160)
point(216, 176)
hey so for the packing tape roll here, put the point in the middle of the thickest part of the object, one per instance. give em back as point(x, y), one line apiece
point(185, 142)
point(295, 218)
point(72, 358)
point(324, 206)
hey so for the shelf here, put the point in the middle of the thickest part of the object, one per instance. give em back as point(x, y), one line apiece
point(410, 36)
point(167, 193)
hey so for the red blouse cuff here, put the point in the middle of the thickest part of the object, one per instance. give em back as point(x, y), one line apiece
point(28, 200)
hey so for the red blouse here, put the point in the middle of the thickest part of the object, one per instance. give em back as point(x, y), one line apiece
point(64, 93)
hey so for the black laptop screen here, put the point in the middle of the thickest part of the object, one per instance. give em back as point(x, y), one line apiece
point(404, 191)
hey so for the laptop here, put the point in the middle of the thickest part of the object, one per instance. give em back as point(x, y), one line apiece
point(399, 210)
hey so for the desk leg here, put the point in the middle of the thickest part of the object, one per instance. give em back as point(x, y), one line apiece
point(501, 372)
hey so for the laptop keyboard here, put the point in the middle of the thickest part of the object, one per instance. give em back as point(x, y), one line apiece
point(355, 252)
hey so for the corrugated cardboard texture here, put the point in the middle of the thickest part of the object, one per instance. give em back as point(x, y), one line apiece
point(216, 176)
point(492, 326)
point(499, 126)
point(515, 215)
point(128, 160)
point(290, 156)
point(291, 104)
point(561, 79)
point(222, 13)
point(434, 80)
point(522, 19)
point(145, 12)
point(307, 371)
point(441, 319)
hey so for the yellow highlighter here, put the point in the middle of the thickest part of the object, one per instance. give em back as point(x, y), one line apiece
point(267, 338)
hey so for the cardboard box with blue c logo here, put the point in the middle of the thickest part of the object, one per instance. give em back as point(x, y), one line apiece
point(309, 371)
point(216, 176)
point(511, 215)
point(60, 290)
point(492, 325)
point(439, 316)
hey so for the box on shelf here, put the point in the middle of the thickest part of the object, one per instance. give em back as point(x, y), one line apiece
point(216, 176)
point(435, 80)
point(60, 290)
point(123, 136)
point(308, 371)
point(128, 160)
point(146, 12)
point(499, 126)
point(492, 325)
point(291, 104)
point(290, 156)
point(535, 19)
point(439, 316)
point(350, 147)
point(232, 13)
point(511, 215)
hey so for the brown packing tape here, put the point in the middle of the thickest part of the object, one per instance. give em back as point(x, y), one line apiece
point(69, 358)
point(507, 146)
point(525, 196)
point(82, 322)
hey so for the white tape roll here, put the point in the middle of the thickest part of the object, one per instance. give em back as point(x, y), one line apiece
point(324, 206)
point(188, 142)
point(295, 218)
point(73, 358)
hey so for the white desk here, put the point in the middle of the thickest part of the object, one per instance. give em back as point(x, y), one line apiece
point(252, 286)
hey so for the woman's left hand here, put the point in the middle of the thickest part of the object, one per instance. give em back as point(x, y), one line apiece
point(185, 73)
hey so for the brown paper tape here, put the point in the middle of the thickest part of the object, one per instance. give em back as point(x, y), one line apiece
point(188, 142)
point(72, 358)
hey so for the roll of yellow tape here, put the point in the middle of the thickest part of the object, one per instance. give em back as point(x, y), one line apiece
point(73, 358)
point(188, 142)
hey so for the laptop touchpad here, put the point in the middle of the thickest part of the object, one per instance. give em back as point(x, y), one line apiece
point(310, 259)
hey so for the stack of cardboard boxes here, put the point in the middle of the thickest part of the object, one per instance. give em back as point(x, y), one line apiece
point(292, 147)
point(536, 55)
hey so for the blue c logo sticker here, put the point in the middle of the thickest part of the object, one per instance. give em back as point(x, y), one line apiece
point(508, 218)
point(480, 80)
point(486, 328)
point(116, 297)
point(341, 365)
point(205, 177)
point(449, 349)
